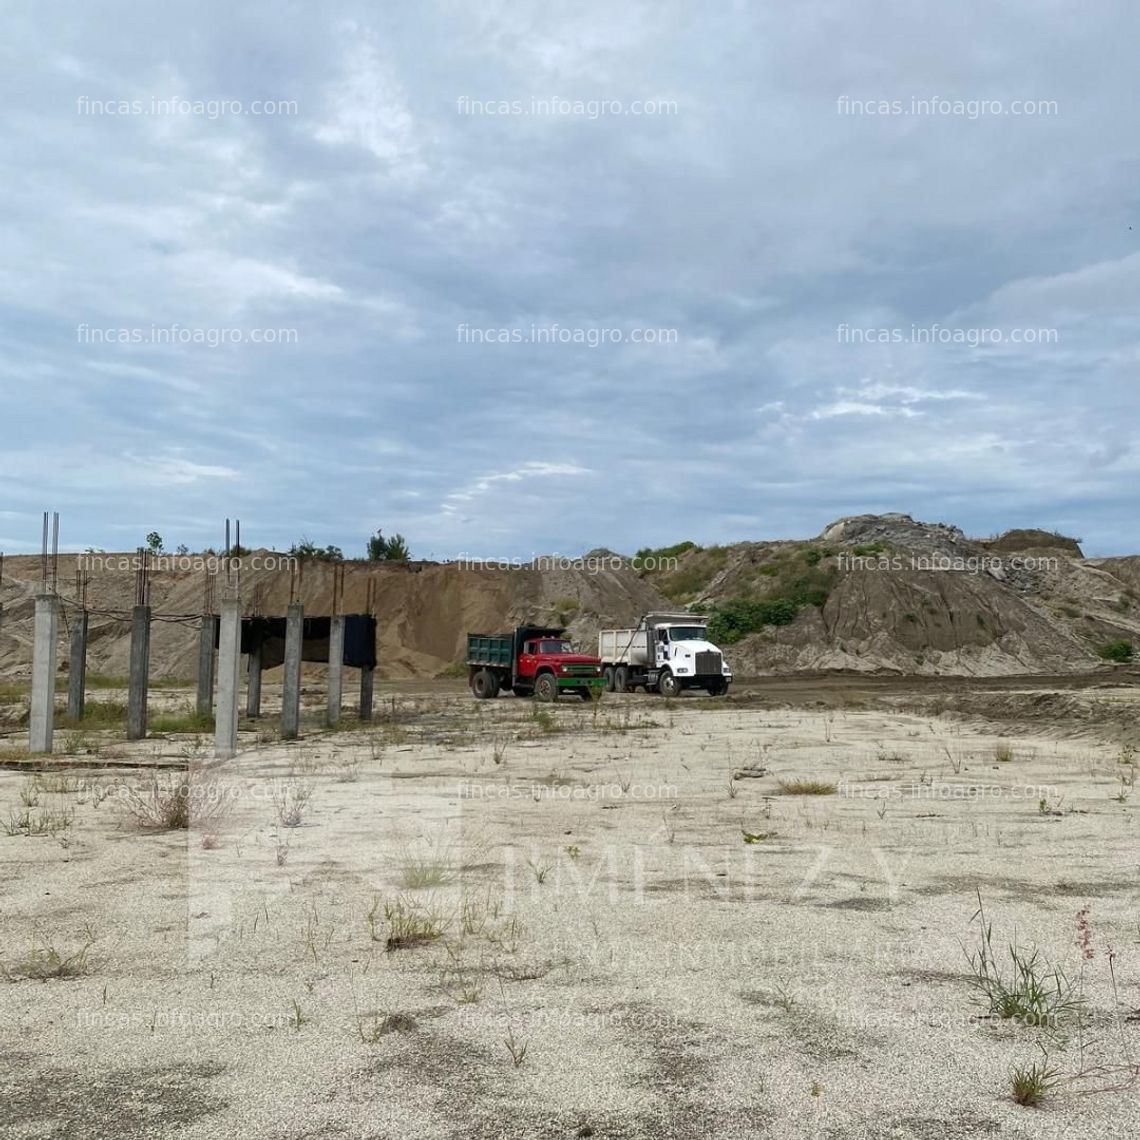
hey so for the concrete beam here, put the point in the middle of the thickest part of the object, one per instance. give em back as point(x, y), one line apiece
point(336, 669)
point(291, 681)
point(139, 679)
point(77, 667)
point(229, 679)
point(253, 691)
point(367, 676)
point(206, 637)
point(41, 724)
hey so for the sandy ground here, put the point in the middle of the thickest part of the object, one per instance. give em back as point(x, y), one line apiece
point(626, 940)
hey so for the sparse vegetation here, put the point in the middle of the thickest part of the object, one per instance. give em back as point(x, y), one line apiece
point(1118, 651)
point(44, 963)
point(1029, 1084)
point(798, 787)
point(1027, 989)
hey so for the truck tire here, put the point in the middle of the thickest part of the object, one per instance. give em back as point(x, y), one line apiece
point(608, 673)
point(621, 679)
point(546, 687)
point(668, 685)
point(484, 685)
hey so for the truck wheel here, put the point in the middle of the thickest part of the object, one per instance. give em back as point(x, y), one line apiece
point(621, 679)
point(546, 687)
point(669, 685)
point(608, 673)
point(483, 684)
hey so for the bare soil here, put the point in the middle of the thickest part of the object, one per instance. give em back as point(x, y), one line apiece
point(498, 919)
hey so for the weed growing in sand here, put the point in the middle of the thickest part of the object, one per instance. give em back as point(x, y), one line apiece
point(540, 870)
point(172, 803)
point(807, 788)
point(515, 1047)
point(462, 986)
point(290, 799)
point(1030, 1084)
point(545, 721)
point(1028, 990)
point(45, 962)
point(30, 793)
point(1003, 752)
point(35, 823)
point(499, 749)
point(297, 1017)
point(372, 1028)
point(421, 871)
point(733, 790)
point(409, 923)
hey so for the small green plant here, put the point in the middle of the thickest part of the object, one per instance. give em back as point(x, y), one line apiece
point(421, 871)
point(544, 720)
point(515, 1047)
point(540, 870)
point(1030, 1084)
point(1003, 753)
point(1028, 990)
point(297, 1017)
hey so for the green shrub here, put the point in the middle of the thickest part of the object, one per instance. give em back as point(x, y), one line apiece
point(1120, 651)
point(660, 552)
point(737, 618)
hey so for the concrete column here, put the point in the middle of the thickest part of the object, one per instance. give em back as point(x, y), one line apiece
point(42, 721)
point(291, 681)
point(253, 692)
point(206, 633)
point(366, 679)
point(336, 669)
point(229, 680)
point(139, 673)
point(77, 667)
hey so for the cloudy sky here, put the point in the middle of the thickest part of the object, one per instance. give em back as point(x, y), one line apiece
point(732, 216)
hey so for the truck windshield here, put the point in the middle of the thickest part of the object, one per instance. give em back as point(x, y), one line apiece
point(687, 633)
point(555, 647)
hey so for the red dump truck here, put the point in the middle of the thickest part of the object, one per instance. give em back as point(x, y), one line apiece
point(534, 660)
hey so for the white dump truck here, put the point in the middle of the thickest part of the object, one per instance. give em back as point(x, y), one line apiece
point(664, 653)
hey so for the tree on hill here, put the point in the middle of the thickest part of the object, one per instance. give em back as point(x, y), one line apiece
point(394, 549)
point(306, 548)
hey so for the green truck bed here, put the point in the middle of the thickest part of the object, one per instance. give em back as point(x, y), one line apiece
point(490, 649)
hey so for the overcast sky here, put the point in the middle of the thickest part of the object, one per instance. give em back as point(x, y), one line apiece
point(382, 215)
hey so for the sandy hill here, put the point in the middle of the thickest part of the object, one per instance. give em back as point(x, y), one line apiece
point(870, 593)
point(884, 592)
